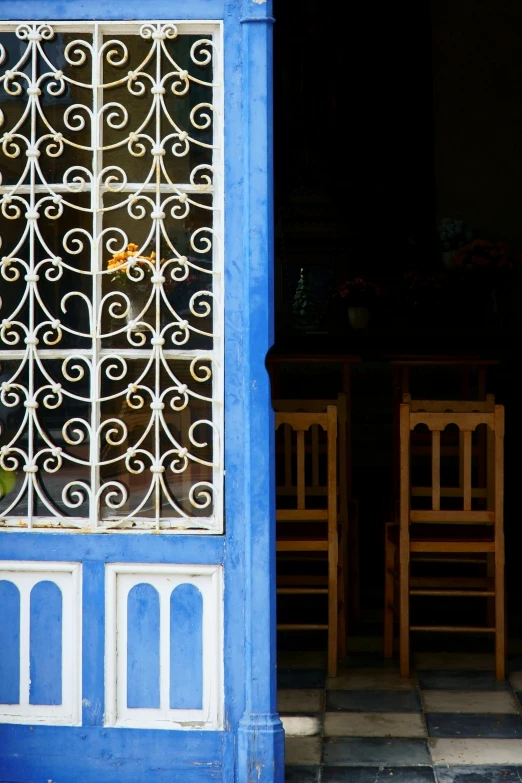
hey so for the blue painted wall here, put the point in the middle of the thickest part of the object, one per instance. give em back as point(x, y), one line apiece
point(186, 648)
point(143, 647)
point(29, 754)
point(45, 644)
point(10, 643)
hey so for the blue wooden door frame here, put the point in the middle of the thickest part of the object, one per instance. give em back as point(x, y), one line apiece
point(251, 748)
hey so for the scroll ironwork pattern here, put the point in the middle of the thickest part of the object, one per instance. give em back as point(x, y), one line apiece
point(111, 276)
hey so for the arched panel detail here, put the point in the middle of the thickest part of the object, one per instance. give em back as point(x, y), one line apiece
point(163, 664)
point(46, 617)
point(186, 648)
point(10, 655)
point(143, 647)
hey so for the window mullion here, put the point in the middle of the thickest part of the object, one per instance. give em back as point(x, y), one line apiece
point(96, 261)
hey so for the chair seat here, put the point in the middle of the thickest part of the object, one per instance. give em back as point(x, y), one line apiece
point(460, 538)
point(444, 533)
point(298, 544)
point(463, 545)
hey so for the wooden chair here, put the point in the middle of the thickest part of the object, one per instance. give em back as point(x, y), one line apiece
point(277, 360)
point(484, 452)
point(317, 488)
point(447, 533)
point(301, 528)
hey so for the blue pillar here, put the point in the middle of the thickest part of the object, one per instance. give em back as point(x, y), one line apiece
point(261, 736)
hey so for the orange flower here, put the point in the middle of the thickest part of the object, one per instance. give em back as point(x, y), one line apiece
point(117, 263)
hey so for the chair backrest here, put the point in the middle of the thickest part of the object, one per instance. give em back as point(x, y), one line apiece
point(314, 486)
point(451, 406)
point(484, 449)
point(301, 423)
point(411, 415)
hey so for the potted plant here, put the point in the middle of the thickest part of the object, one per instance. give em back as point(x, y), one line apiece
point(358, 295)
point(452, 235)
point(304, 306)
point(137, 291)
point(7, 482)
point(488, 263)
point(482, 269)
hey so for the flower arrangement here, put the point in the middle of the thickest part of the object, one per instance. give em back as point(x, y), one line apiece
point(453, 234)
point(358, 292)
point(117, 263)
point(179, 291)
point(483, 261)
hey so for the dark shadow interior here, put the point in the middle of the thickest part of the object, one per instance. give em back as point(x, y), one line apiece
point(397, 135)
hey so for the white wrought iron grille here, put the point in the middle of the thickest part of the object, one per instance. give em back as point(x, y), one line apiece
point(111, 412)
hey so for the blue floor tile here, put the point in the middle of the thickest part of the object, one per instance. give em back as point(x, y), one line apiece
point(302, 774)
point(451, 724)
point(373, 701)
point(375, 751)
point(349, 774)
point(406, 775)
point(432, 680)
point(301, 678)
point(478, 775)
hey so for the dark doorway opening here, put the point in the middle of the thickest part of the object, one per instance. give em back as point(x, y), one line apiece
point(389, 120)
point(397, 135)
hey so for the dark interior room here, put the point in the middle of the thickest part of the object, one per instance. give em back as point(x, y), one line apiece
point(398, 239)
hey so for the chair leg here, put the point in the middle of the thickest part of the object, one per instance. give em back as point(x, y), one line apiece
point(490, 573)
point(342, 592)
point(404, 616)
point(500, 621)
point(355, 580)
point(389, 597)
point(332, 617)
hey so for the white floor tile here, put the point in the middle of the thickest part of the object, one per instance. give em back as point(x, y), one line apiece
point(370, 679)
point(498, 702)
point(374, 724)
point(479, 752)
point(301, 725)
point(303, 750)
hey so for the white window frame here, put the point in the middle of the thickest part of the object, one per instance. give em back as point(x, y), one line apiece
point(184, 523)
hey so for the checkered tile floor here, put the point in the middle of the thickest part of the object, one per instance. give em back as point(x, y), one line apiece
point(451, 723)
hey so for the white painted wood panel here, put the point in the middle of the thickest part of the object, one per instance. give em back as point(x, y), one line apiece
point(67, 577)
point(120, 579)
